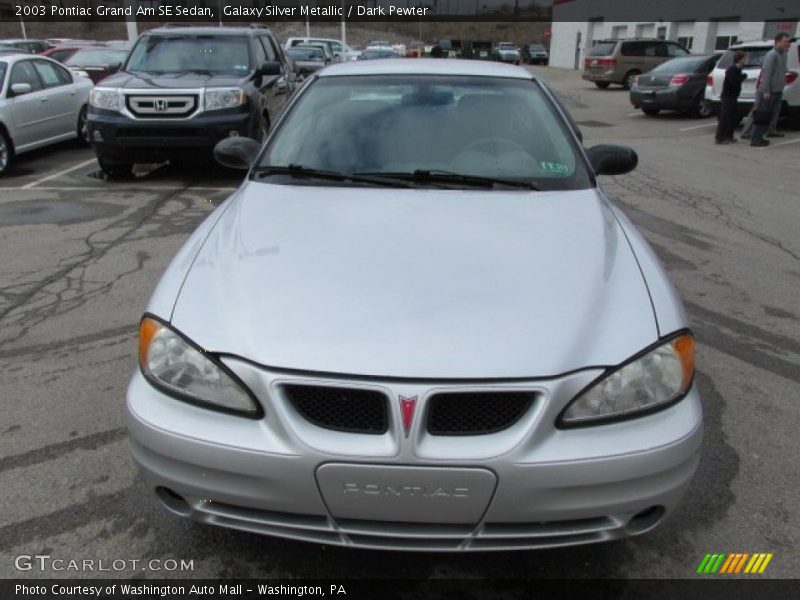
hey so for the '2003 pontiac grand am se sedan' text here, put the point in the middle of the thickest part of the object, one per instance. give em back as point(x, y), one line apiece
point(419, 324)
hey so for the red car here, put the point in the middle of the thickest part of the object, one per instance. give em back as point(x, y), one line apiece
point(96, 63)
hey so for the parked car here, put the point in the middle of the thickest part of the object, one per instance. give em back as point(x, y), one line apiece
point(620, 61)
point(63, 52)
point(755, 56)
point(373, 53)
point(678, 84)
point(309, 59)
point(41, 103)
point(535, 54)
point(96, 63)
point(183, 89)
point(32, 46)
point(338, 51)
point(507, 52)
point(469, 378)
point(12, 50)
point(478, 50)
point(323, 47)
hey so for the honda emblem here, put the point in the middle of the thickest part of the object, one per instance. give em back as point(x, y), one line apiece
point(160, 104)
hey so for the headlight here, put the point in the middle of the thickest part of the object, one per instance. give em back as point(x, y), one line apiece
point(649, 381)
point(171, 362)
point(217, 99)
point(83, 74)
point(105, 98)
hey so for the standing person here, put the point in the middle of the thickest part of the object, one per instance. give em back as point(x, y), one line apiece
point(729, 105)
point(773, 77)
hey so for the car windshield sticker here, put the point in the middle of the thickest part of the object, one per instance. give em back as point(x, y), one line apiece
point(554, 167)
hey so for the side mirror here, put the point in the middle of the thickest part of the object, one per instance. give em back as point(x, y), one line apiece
point(607, 159)
point(236, 152)
point(269, 68)
point(19, 89)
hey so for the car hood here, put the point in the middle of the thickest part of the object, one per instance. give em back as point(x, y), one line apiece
point(417, 283)
point(123, 79)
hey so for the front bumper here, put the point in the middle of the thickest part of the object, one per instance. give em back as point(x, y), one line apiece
point(543, 487)
point(117, 137)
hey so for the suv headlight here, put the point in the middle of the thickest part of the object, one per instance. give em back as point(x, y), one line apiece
point(104, 98)
point(177, 366)
point(651, 380)
point(219, 98)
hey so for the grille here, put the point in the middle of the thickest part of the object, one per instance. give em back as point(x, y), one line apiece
point(341, 409)
point(476, 413)
point(161, 132)
point(162, 106)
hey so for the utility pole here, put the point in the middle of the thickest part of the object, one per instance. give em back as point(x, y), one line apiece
point(130, 23)
point(344, 27)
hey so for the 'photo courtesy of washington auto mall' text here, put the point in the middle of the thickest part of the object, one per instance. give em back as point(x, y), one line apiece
point(399, 299)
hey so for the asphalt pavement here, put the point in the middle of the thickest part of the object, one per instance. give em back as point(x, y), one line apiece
point(81, 256)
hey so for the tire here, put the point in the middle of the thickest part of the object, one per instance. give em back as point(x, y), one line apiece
point(83, 128)
point(116, 170)
point(6, 152)
point(602, 84)
point(651, 112)
point(627, 82)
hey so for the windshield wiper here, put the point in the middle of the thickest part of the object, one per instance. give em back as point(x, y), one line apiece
point(301, 172)
point(438, 176)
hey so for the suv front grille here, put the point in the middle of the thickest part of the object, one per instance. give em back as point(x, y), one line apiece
point(340, 409)
point(167, 106)
point(476, 413)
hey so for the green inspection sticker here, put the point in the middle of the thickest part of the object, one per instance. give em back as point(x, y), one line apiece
point(554, 167)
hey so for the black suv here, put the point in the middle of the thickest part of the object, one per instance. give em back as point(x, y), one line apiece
point(181, 90)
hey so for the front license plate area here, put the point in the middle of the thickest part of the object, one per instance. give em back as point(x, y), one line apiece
point(406, 494)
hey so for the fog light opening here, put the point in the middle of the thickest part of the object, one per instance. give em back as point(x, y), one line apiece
point(97, 136)
point(173, 501)
point(646, 519)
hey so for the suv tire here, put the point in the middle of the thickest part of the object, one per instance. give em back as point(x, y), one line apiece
point(652, 112)
point(115, 170)
point(602, 84)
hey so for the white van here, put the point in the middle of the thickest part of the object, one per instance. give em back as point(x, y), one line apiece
point(756, 51)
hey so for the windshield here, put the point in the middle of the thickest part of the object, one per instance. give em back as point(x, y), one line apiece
point(507, 46)
point(474, 126)
point(755, 56)
point(535, 48)
point(218, 54)
point(314, 54)
point(2, 75)
point(96, 57)
point(379, 53)
point(681, 65)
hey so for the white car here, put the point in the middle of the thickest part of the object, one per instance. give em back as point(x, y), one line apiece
point(41, 103)
point(340, 52)
point(755, 56)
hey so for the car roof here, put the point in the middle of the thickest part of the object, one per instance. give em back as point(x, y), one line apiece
point(427, 66)
point(756, 43)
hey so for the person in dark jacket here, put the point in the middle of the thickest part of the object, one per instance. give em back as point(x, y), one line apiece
point(729, 99)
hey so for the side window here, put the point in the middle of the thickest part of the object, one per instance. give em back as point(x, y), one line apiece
point(632, 49)
point(23, 72)
point(51, 75)
point(259, 53)
point(269, 50)
point(655, 49)
point(675, 50)
point(337, 47)
point(274, 49)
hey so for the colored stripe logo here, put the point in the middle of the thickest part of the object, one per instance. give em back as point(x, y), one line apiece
point(734, 562)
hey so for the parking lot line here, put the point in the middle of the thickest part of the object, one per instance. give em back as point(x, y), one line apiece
point(786, 143)
point(58, 174)
point(698, 126)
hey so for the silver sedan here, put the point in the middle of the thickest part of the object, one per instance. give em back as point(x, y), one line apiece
point(41, 103)
point(419, 324)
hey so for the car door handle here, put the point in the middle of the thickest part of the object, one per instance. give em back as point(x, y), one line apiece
point(43, 99)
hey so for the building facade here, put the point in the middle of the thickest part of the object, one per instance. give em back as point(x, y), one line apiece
point(719, 26)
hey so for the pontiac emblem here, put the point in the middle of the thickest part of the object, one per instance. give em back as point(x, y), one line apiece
point(407, 407)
